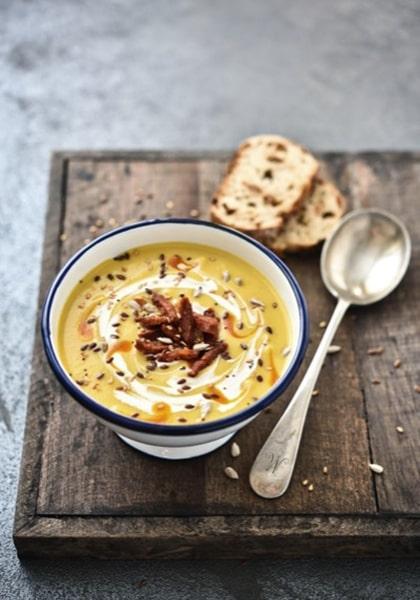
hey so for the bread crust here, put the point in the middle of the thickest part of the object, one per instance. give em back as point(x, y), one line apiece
point(323, 209)
point(271, 210)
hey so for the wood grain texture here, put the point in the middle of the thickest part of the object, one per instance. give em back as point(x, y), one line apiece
point(89, 483)
point(392, 183)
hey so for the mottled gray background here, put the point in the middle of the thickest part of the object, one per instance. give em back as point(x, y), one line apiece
point(187, 74)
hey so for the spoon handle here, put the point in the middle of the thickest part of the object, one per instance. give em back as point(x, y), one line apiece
point(273, 468)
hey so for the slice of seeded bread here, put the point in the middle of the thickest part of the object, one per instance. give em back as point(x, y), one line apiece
point(266, 181)
point(314, 220)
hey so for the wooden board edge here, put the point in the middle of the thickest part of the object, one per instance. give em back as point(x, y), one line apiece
point(221, 154)
point(221, 537)
point(146, 155)
point(30, 465)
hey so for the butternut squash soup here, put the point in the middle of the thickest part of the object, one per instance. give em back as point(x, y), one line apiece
point(174, 333)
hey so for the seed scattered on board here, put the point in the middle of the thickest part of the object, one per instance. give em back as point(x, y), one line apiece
point(235, 450)
point(333, 349)
point(231, 473)
point(376, 468)
point(375, 351)
point(322, 324)
point(315, 393)
point(305, 482)
point(325, 470)
point(399, 429)
point(311, 487)
point(397, 363)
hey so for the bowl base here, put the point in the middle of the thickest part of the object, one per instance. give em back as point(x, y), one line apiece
point(180, 453)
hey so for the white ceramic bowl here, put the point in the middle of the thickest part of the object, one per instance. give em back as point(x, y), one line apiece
point(176, 441)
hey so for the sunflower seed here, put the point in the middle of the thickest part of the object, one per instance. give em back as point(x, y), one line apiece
point(400, 429)
point(231, 473)
point(375, 350)
point(311, 487)
point(333, 349)
point(376, 468)
point(200, 346)
point(397, 363)
point(149, 307)
point(325, 470)
point(164, 340)
point(205, 408)
point(235, 450)
point(305, 482)
point(256, 302)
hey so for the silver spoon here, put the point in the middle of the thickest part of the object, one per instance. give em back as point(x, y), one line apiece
point(364, 259)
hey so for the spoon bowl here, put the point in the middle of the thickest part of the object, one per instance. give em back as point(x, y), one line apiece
point(366, 256)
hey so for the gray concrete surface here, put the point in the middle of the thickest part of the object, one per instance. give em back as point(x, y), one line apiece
point(190, 74)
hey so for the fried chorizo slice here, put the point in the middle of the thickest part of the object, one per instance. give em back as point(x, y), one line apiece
point(153, 320)
point(207, 324)
point(207, 358)
point(150, 346)
point(171, 332)
point(186, 321)
point(150, 334)
point(178, 354)
point(165, 306)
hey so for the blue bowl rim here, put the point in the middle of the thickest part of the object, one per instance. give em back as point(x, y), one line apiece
point(156, 428)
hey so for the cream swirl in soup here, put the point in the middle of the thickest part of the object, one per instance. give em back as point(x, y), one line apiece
point(174, 333)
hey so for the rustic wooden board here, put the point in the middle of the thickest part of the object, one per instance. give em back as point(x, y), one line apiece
point(83, 492)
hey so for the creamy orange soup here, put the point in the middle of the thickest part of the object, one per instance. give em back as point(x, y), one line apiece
point(174, 333)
